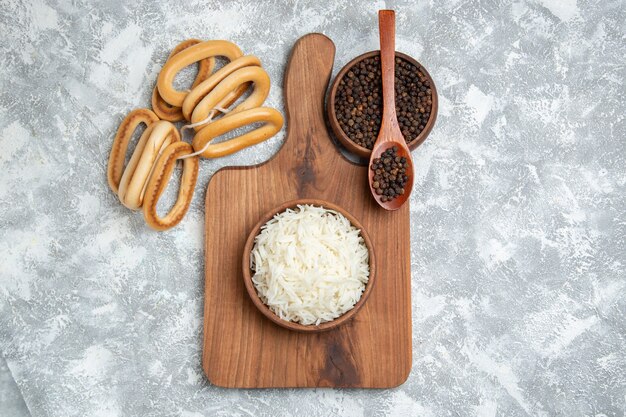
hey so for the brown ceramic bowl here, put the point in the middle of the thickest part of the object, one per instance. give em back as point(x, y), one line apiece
point(264, 309)
point(332, 116)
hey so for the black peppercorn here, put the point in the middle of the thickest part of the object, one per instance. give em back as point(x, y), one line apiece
point(390, 177)
point(358, 100)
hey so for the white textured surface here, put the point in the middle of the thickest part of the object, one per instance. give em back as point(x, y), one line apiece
point(11, 401)
point(518, 220)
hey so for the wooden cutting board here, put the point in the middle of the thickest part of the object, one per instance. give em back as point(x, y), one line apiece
point(242, 348)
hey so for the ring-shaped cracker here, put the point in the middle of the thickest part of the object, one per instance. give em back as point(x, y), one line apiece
point(187, 57)
point(158, 183)
point(205, 67)
point(117, 156)
point(273, 122)
point(153, 141)
point(202, 89)
point(261, 86)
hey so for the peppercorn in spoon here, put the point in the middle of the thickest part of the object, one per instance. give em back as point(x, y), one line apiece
point(391, 169)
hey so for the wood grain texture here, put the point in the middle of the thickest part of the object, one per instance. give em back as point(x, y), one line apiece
point(244, 349)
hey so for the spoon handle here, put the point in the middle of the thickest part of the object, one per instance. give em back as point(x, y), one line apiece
point(387, 30)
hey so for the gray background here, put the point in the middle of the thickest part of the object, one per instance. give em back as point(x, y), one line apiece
point(517, 218)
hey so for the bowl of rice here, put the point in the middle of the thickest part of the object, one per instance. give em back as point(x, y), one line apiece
point(308, 265)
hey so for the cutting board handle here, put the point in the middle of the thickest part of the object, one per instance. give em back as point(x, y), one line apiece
point(306, 80)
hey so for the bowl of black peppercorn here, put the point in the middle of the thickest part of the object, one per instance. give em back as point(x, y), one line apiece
point(355, 105)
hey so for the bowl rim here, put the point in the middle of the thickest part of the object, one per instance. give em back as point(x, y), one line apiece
point(332, 115)
point(264, 309)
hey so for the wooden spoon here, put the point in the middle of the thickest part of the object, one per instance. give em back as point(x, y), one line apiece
point(390, 134)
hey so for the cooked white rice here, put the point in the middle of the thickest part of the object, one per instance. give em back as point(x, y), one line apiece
point(311, 265)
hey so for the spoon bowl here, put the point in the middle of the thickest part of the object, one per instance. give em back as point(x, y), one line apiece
point(402, 151)
point(389, 135)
